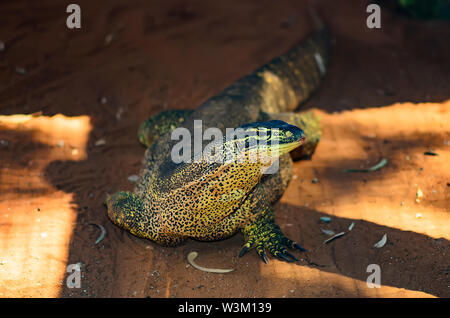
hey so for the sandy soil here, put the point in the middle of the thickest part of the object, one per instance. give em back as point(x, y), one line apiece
point(386, 96)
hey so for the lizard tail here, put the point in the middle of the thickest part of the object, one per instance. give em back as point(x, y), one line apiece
point(290, 79)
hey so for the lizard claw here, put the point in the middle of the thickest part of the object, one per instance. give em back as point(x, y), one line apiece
point(264, 257)
point(243, 251)
point(290, 255)
point(292, 244)
point(272, 239)
point(283, 256)
point(299, 247)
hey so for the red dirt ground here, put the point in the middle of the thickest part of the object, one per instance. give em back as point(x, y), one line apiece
point(387, 95)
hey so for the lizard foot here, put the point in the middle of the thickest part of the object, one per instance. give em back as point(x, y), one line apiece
point(269, 237)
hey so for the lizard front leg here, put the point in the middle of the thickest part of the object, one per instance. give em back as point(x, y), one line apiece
point(261, 232)
point(264, 234)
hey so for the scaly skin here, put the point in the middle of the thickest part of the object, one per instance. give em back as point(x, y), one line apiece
point(204, 201)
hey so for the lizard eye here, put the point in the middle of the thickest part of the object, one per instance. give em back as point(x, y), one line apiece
point(266, 135)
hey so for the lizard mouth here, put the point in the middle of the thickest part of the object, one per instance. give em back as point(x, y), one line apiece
point(298, 139)
point(284, 148)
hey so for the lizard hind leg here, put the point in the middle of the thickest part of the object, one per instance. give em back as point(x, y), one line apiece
point(161, 124)
point(128, 211)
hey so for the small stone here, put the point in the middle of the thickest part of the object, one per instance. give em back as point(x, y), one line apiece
point(60, 144)
point(108, 38)
point(133, 178)
point(4, 143)
point(2, 46)
point(419, 195)
point(315, 180)
point(100, 142)
point(119, 113)
point(21, 70)
point(155, 273)
point(103, 100)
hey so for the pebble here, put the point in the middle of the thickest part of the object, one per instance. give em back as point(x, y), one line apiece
point(133, 178)
point(119, 113)
point(21, 70)
point(2, 46)
point(315, 180)
point(109, 38)
point(419, 195)
point(100, 142)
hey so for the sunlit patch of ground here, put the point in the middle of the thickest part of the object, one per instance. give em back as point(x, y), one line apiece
point(313, 282)
point(36, 219)
point(401, 133)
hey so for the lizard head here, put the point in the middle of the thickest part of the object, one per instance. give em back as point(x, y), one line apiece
point(266, 141)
